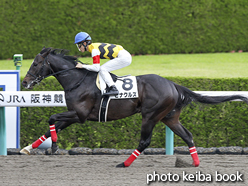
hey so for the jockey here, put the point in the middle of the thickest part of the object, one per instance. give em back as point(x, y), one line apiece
point(118, 56)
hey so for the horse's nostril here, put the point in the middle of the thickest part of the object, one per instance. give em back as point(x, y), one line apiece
point(24, 83)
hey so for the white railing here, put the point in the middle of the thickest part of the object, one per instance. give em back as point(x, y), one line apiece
point(57, 99)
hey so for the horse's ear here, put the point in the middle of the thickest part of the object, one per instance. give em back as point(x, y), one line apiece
point(45, 51)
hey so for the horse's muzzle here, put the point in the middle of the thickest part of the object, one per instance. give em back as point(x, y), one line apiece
point(27, 85)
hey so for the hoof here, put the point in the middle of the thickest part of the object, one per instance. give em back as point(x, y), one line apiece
point(24, 152)
point(196, 164)
point(55, 148)
point(121, 165)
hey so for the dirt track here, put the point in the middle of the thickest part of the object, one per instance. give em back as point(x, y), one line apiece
point(100, 169)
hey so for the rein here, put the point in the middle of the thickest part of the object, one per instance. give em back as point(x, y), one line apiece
point(77, 84)
point(39, 78)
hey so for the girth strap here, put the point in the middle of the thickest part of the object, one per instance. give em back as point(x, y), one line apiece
point(103, 111)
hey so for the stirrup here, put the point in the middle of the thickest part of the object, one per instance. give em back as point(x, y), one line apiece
point(111, 91)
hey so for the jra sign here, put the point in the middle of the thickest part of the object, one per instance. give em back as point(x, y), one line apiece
point(32, 99)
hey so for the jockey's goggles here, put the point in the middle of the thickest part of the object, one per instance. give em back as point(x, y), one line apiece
point(79, 45)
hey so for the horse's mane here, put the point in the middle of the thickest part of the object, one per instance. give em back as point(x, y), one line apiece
point(62, 53)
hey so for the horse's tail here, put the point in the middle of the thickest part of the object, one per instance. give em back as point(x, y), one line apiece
point(187, 96)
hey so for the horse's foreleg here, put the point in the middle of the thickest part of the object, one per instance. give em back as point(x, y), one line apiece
point(175, 125)
point(38, 142)
point(60, 125)
point(146, 134)
point(68, 118)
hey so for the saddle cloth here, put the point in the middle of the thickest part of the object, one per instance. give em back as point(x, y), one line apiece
point(127, 87)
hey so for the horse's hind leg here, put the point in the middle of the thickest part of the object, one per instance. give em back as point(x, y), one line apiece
point(174, 124)
point(64, 119)
point(145, 140)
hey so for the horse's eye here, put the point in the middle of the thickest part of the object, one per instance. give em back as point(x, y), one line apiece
point(35, 64)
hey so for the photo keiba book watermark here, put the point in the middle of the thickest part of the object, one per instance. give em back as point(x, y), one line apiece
point(197, 177)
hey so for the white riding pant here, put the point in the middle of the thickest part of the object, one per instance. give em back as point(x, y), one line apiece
point(123, 59)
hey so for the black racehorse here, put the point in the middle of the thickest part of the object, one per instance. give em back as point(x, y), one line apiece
point(159, 100)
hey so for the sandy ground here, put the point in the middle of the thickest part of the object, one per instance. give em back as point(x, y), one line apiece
point(100, 170)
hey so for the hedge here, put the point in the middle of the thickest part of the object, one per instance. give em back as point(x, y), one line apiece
point(211, 125)
point(142, 27)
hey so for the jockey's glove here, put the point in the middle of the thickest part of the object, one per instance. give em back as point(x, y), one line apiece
point(79, 65)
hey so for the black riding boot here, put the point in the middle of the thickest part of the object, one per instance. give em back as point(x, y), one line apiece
point(111, 91)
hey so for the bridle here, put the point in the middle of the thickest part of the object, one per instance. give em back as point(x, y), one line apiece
point(39, 78)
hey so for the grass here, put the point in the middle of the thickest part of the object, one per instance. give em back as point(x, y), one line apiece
point(216, 65)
